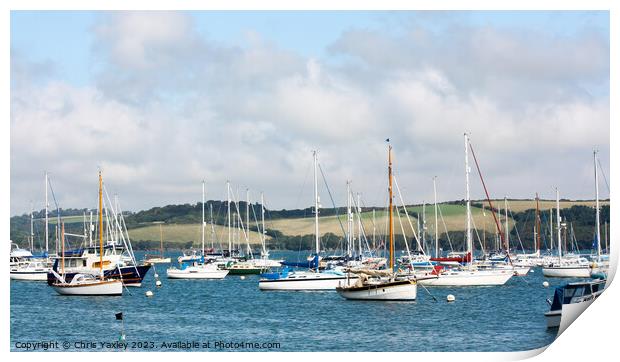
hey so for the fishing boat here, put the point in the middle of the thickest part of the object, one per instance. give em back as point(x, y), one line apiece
point(469, 274)
point(566, 267)
point(381, 285)
point(158, 259)
point(570, 300)
point(197, 267)
point(313, 278)
point(88, 284)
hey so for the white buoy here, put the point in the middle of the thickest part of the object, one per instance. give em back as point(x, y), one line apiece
point(158, 283)
point(149, 293)
point(546, 284)
point(156, 275)
point(450, 298)
point(242, 277)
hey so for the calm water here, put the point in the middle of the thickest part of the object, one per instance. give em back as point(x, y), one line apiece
point(506, 318)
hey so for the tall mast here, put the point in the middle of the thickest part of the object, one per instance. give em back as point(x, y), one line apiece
point(374, 230)
point(423, 232)
point(537, 226)
point(391, 219)
point(507, 232)
point(100, 226)
point(228, 217)
point(247, 218)
point(598, 210)
point(436, 223)
point(46, 218)
point(90, 229)
point(316, 207)
point(202, 225)
point(212, 227)
point(559, 222)
point(467, 170)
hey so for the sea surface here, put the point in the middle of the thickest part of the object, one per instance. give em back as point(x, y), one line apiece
point(234, 315)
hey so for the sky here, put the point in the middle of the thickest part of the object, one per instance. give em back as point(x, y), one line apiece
point(162, 100)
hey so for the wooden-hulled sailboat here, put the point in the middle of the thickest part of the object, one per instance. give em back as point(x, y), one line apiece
point(198, 268)
point(88, 284)
point(381, 284)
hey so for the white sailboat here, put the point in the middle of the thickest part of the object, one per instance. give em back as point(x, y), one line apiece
point(198, 268)
point(305, 280)
point(158, 259)
point(575, 267)
point(469, 275)
point(88, 284)
point(381, 285)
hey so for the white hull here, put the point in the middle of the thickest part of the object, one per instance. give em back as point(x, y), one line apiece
point(196, 272)
point(521, 270)
point(112, 287)
point(304, 281)
point(157, 261)
point(469, 278)
point(567, 272)
point(383, 292)
point(35, 276)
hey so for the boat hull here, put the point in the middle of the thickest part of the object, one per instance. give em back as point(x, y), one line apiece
point(567, 272)
point(563, 318)
point(196, 273)
point(308, 282)
point(40, 276)
point(404, 290)
point(469, 278)
point(130, 275)
point(105, 288)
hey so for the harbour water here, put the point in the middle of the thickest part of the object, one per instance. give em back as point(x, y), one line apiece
point(236, 316)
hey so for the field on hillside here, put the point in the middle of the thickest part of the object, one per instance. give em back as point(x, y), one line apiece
point(179, 233)
point(522, 205)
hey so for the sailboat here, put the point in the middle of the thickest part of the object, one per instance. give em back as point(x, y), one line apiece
point(313, 279)
point(469, 275)
point(574, 267)
point(381, 284)
point(87, 284)
point(600, 266)
point(197, 268)
point(158, 259)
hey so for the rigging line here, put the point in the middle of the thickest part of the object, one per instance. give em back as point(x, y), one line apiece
point(445, 227)
point(332, 199)
point(603, 172)
point(359, 215)
point(477, 235)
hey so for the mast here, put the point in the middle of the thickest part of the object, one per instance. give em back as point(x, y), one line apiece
point(436, 223)
point(90, 229)
point(391, 219)
point(316, 207)
point(212, 227)
point(46, 218)
point(202, 225)
point(247, 223)
point(423, 232)
point(598, 210)
point(161, 241)
point(537, 227)
point(374, 230)
point(507, 232)
point(467, 170)
point(557, 204)
point(100, 226)
point(228, 217)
